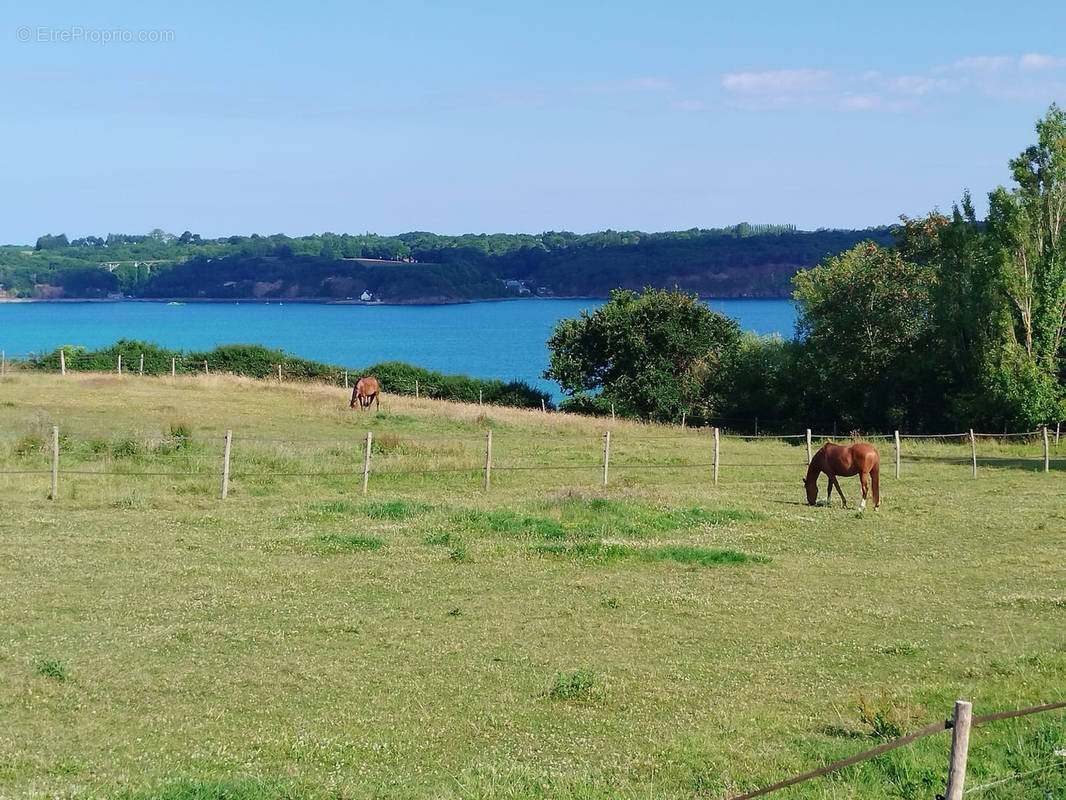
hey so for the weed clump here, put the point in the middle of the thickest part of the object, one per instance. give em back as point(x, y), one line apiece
point(339, 542)
point(52, 668)
point(580, 685)
point(458, 551)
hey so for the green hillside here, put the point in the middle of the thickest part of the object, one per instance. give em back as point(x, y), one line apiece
point(741, 260)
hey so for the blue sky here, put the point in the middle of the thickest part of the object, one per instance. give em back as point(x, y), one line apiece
point(482, 117)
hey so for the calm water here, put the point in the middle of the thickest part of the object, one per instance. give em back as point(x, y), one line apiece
point(504, 340)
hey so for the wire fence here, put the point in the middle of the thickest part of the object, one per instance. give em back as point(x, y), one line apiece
point(135, 362)
point(960, 724)
point(249, 456)
point(451, 388)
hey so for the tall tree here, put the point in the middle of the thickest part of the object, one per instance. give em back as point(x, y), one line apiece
point(863, 320)
point(1027, 235)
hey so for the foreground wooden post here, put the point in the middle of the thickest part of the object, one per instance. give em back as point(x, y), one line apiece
point(543, 407)
point(366, 462)
point(606, 454)
point(279, 373)
point(960, 743)
point(118, 364)
point(172, 370)
point(897, 454)
point(973, 452)
point(140, 367)
point(206, 372)
point(716, 456)
point(488, 458)
point(1047, 460)
point(225, 463)
point(55, 463)
point(682, 419)
point(479, 397)
point(62, 362)
point(809, 455)
point(416, 390)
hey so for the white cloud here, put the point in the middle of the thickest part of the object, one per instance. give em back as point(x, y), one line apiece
point(775, 81)
point(1037, 61)
point(979, 64)
point(1031, 76)
point(917, 85)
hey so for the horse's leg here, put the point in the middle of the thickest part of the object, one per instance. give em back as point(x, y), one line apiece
point(862, 480)
point(836, 483)
point(377, 401)
point(874, 479)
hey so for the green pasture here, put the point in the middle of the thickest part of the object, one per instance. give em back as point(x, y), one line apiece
point(660, 637)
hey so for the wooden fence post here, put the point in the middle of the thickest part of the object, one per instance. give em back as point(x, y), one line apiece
point(606, 454)
point(543, 406)
point(1058, 427)
point(279, 373)
point(682, 419)
point(1047, 460)
point(612, 410)
point(897, 453)
point(488, 458)
point(55, 463)
point(479, 397)
point(366, 461)
point(225, 463)
point(809, 455)
point(416, 390)
point(206, 371)
point(716, 456)
point(118, 364)
point(973, 452)
point(140, 367)
point(960, 743)
point(62, 362)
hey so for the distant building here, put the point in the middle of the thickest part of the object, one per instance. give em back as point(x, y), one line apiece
point(366, 296)
point(518, 287)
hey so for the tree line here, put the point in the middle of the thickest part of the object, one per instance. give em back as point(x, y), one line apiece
point(739, 260)
point(958, 322)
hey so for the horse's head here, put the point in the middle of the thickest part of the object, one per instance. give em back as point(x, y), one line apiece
point(811, 485)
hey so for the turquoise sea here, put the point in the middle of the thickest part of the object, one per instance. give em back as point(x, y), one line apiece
point(504, 339)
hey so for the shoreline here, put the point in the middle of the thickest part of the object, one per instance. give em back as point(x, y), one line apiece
point(333, 302)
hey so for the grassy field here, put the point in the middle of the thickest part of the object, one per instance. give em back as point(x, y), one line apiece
point(549, 637)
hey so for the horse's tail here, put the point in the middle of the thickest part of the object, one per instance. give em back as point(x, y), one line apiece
point(875, 484)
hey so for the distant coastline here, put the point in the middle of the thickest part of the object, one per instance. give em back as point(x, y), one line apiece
point(329, 301)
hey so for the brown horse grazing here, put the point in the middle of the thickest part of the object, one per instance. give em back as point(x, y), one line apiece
point(833, 460)
point(366, 392)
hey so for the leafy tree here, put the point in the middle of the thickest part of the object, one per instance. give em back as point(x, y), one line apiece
point(50, 242)
point(1027, 236)
point(863, 320)
point(655, 355)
